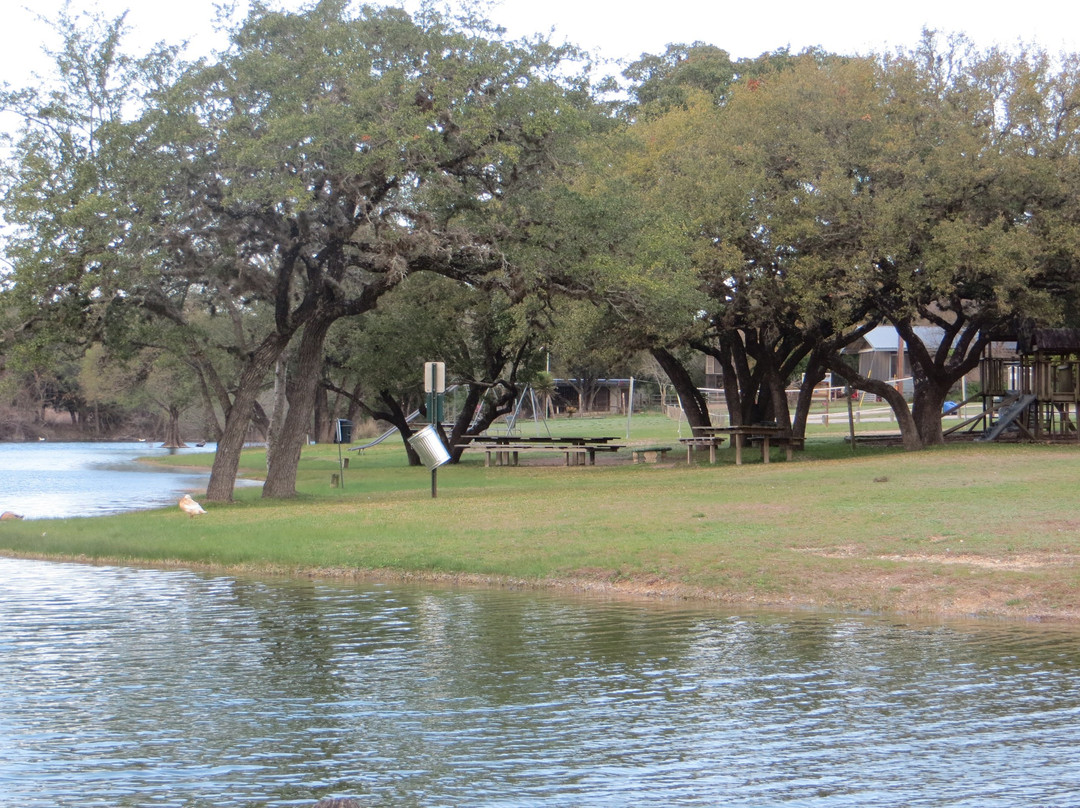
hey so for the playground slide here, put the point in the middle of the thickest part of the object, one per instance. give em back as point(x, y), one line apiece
point(1007, 416)
point(412, 416)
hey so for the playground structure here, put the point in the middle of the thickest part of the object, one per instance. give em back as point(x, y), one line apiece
point(1031, 392)
point(1033, 395)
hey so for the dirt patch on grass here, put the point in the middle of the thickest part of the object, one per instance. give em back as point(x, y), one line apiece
point(1029, 585)
point(1025, 561)
point(1011, 561)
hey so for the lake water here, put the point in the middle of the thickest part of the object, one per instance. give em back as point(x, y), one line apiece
point(124, 687)
point(50, 480)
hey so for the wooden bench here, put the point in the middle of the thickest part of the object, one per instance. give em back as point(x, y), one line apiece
point(590, 450)
point(649, 454)
point(710, 442)
point(789, 442)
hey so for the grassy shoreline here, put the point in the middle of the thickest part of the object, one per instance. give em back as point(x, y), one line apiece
point(963, 530)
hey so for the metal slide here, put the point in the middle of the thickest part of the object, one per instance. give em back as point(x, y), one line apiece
point(1007, 417)
point(412, 416)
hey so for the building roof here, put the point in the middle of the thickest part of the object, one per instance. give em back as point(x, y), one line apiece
point(885, 338)
point(1054, 340)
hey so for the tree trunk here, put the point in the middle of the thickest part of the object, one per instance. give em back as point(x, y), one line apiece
point(590, 399)
point(491, 410)
point(464, 422)
point(778, 406)
point(211, 390)
point(280, 406)
point(323, 424)
point(926, 408)
point(353, 410)
point(741, 402)
point(237, 419)
point(395, 415)
point(815, 373)
point(281, 475)
point(934, 374)
point(909, 433)
point(729, 380)
point(172, 430)
point(693, 402)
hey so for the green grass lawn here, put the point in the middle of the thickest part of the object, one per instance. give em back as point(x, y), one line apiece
point(964, 529)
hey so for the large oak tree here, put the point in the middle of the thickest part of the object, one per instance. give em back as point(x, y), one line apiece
point(308, 169)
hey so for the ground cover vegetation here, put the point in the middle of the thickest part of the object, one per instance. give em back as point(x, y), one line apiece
point(281, 233)
point(935, 532)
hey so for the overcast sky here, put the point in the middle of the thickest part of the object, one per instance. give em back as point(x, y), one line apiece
point(624, 29)
point(617, 31)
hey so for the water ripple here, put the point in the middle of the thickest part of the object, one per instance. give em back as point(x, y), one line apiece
point(149, 688)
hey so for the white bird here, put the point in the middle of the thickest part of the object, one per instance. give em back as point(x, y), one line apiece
point(190, 506)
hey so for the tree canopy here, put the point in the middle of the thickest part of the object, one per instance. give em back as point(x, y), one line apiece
point(282, 195)
point(815, 196)
point(325, 156)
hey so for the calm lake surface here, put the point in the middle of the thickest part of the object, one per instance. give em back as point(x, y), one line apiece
point(124, 687)
point(47, 480)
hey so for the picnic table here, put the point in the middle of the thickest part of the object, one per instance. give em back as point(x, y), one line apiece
point(578, 450)
point(765, 434)
point(702, 441)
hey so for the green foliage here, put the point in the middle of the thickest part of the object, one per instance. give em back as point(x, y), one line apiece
point(479, 333)
point(818, 193)
point(760, 210)
point(150, 377)
point(661, 83)
point(325, 156)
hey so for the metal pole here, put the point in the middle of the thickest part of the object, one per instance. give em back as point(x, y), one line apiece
point(850, 419)
point(899, 363)
point(434, 483)
point(341, 464)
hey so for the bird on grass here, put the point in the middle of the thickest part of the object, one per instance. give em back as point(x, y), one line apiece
point(190, 506)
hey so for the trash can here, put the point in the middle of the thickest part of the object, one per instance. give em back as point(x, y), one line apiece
point(427, 443)
point(343, 431)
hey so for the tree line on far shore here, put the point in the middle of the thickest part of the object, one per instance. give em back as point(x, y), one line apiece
point(345, 192)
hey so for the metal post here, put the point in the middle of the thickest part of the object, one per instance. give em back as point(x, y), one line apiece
point(340, 462)
point(899, 363)
point(850, 418)
point(435, 388)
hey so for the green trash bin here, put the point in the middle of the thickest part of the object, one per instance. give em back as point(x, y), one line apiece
point(343, 431)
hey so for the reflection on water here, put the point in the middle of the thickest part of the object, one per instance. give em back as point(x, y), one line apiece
point(126, 687)
point(50, 480)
